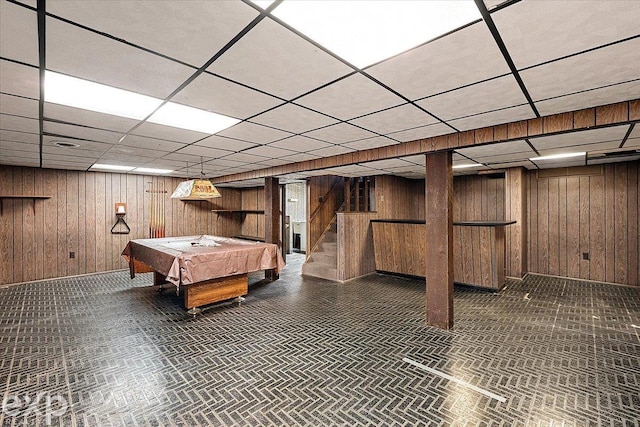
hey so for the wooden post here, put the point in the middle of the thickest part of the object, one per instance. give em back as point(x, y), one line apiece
point(347, 194)
point(439, 239)
point(272, 217)
point(516, 210)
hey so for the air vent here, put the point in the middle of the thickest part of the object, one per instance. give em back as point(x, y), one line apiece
point(65, 144)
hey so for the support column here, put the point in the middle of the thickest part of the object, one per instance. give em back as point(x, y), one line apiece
point(516, 210)
point(272, 217)
point(439, 239)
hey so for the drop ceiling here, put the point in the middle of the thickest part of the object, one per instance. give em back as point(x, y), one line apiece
point(298, 101)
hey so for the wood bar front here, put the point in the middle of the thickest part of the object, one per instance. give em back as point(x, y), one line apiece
point(478, 250)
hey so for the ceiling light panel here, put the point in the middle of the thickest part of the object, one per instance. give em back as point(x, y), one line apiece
point(18, 27)
point(276, 52)
point(616, 64)
point(395, 119)
point(300, 144)
point(224, 97)
point(192, 34)
point(432, 68)
point(351, 97)
point(84, 54)
point(80, 93)
point(365, 32)
point(293, 118)
point(20, 80)
point(185, 117)
point(535, 31)
point(340, 133)
point(152, 171)
point(252, 132)
point(498, 93)
point(591, 98)
point(110, 167)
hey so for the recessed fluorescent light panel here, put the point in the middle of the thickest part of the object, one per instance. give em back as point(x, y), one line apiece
point(112, 167)
point(79, 93)
point(467, 166)
point(151, 170)
point(365, 32)
point(558, 156)
point(184, 117)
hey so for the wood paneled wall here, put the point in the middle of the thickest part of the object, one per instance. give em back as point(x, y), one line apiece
point(355, 245)
point(78, 218)
point(399, 198)
point(478, 198)
point(322, 205)
point(578, 211)
point(252, 223)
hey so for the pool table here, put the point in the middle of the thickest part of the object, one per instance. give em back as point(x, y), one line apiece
point(209, 268)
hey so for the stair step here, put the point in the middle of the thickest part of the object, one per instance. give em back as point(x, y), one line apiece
point(329, 237)
point(330, 259)
point(328, 247)
point(319, 270)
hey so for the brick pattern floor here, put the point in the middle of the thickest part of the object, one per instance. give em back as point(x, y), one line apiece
point(106, 350)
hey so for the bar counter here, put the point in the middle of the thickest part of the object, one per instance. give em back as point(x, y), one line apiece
point(478, 250)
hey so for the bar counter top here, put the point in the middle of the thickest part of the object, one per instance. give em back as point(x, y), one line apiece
point(460, 223)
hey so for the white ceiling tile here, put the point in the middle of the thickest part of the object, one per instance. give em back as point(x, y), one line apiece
point(493, 149)
point(395, 119)
point(88, 118)
point(375, 142)
point(80, 53)
point(245, 158)
point(18, 33)
point(182, 158)
point(613, 159)
point(505, 115)
point(386, 164)
point(118, 152)
point(269, 151)
point(340, 133)
point(97, 148)
point(169, 133)
point(21, 80)
point(492, 4)
point(30, 138)
point(212, 93)
point(301, 157)
point(10, 146)
point(151, 144)
point(252, 132)
point(635, 133)
point(527, 164)
point(332, 151)
point(418, 159)
point(230, 144)
point(288, 65)
point(192, 34)
point(591, 98)
point(606, 66)
point(351, 97)
point(421, 132)
point(86, 133)
point(300, 143)
point(293, 118)
point(272, 162)
point(464, 57)
point(538, 31)
point(222, 163)
point(18, 106)
point(211, 153)
point(479, 98)
point(598, 146)
point(579, 139)
point(19, 124)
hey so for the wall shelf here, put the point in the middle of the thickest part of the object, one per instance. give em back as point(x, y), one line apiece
point(237, 211)
point(21, 197)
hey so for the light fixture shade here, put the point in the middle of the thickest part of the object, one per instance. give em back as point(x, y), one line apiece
point(196, 189)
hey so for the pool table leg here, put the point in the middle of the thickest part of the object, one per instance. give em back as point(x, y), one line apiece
point(159, 279)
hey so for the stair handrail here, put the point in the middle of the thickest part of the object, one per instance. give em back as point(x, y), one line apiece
point(326, 198)
point(315, 246)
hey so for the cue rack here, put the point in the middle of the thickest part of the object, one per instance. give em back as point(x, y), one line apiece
point(157, 208)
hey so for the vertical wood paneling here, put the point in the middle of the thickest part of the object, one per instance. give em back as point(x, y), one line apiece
point(554, 238)
point(39, 225)
point(90, 222)
point(533, 224)
point(81, 254)
point(6, 227)
point(573, 226)
point(601, 221)
point(101, 227)
point(28, 239)
point(72, 222)
point(50, 213)
point(61, 252)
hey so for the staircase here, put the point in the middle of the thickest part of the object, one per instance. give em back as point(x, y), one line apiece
point(323, 260)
